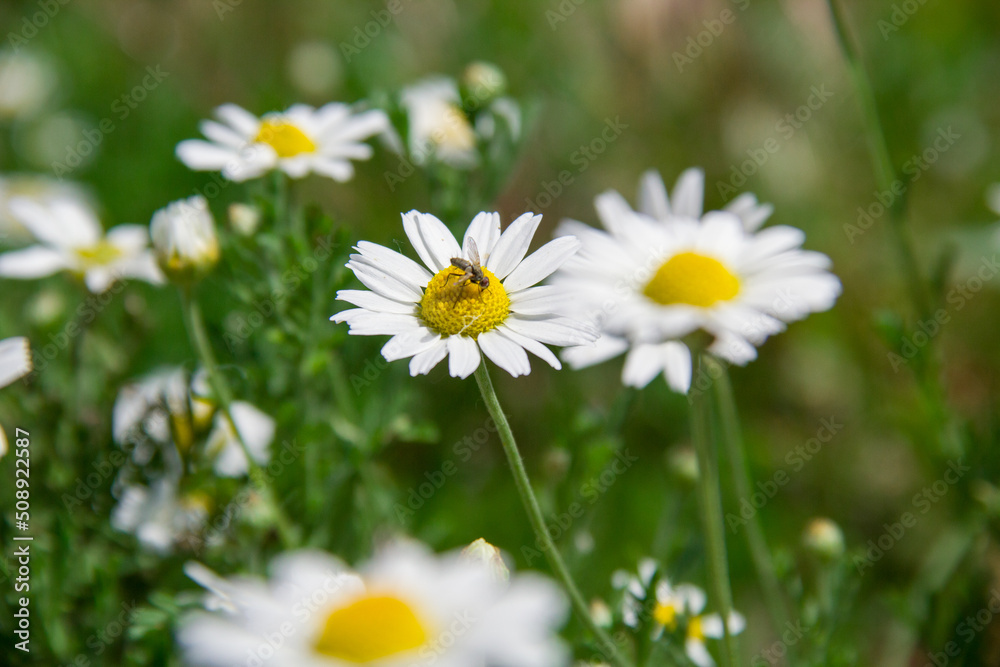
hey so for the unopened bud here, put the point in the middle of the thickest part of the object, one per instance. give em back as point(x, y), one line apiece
point(824, 538)
point(483, 553)
point(184, 239)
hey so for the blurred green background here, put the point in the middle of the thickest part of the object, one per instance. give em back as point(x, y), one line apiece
point(578, 65)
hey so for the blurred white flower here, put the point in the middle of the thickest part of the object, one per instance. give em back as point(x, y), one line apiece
point(298, 141)
point(487, 555)
point(666, 271)
point(439, 312)
point(406, 606)
point(26, 84)
point(71, 239)
point(244, 218)
point(184, 240)
point(42, 189)
point(437, 126)
point(158, 517)
point(166, 407)
point(15, 363)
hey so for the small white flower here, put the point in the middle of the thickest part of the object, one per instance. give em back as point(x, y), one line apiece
point(407, 606)
point(298, 141)
point(164, 406)
point(71, 239)
point(158, 518)
point(431, 314)
point(184, 238)
point(438, 127)
point(666, 271)
point(15, 363)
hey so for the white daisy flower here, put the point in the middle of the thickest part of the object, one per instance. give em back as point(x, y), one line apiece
point(184, 239)
point(444, 310)
point(438, 128)
point(406, 607)
point(15, 363)
point(158, 517)
point(667, 271)
point(701, 627)
point(71, 239)
point(298, 141)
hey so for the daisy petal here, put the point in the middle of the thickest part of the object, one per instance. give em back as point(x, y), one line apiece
point(204, 156)
point(394, 262)
point(15, 359)
point(463, 356)
point(386, 284)
point(689, 194)
point(239, 119)
point(410, 343)
point(423, 362)
point(643, 363)
point(560, 331)
point(606, 347)
point(541, 263)
point(485, 230)
point(34, 262)
point(505, 353)
point(431, 239)
point(653, 199)
point(374, 302)
point(531, 345)
point(677, 366)
point(513, 244)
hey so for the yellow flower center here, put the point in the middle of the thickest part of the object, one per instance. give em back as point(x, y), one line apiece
point(371, 628)
point(692, 279)
point(665, 615)
point(695, 630)
point(451, 308)
point(286, 139)
point(101, 253)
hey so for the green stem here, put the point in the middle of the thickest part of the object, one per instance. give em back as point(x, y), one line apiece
point(759, 552)
point(536, 518)
point(199, 337)
point(885, 172)
point(710, 503)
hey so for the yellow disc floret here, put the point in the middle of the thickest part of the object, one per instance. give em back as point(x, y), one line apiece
point(450, 307)
point(100, 254)
point(695, 629)
point(286, 139)
point(371, 628)
point(692, 279)
point(666, 615)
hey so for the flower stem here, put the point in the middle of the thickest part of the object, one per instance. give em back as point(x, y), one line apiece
point(710, 503)
point(759, 552)
point(199, 337)
point(885, 172)
point(536, 518)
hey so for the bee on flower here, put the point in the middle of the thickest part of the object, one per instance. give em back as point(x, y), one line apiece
point(466, 300)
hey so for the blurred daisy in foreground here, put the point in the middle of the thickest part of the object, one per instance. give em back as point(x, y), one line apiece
point(477, 297)
point(41, 189)
point(407, 606)
point(15, 363)
point(298, 141)
point(667, 271)
point(71, 239)
point(159, 516)
point(164, 407)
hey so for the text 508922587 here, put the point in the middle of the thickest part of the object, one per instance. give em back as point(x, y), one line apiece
point(22, 552)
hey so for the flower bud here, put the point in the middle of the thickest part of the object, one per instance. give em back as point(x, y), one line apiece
point(682, 462)
point(482, 83)
point(184, 239)
point(483, 553)
point(824, 538)
point(244, 218)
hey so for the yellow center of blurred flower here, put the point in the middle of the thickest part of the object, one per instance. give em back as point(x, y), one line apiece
point(692, 279)
point(101, 253)
point(666, 615)
point(371, 628)
point(451, 308)
point(454, 130)
point(286, 139)
point(695, 631)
